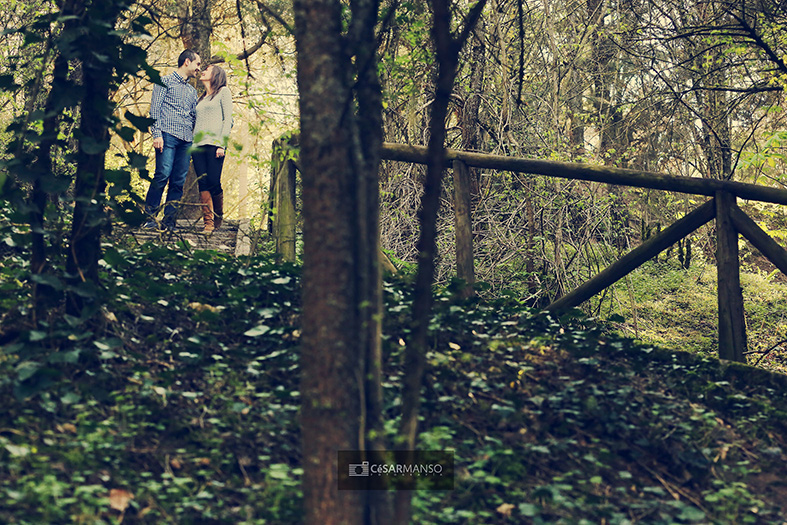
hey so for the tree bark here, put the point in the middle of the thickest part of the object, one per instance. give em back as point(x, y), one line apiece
point(89, 214)
point(341, 137)
point(45, 295)
point(282, 200)
point(471, 139)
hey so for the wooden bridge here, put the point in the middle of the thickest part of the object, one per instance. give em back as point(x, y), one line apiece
point(722, 206)
point(233, 238)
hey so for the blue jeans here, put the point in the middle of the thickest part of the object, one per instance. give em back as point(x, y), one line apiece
point(172, 166)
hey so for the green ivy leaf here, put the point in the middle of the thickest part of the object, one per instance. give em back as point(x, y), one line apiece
point(141, 123)
point(48, 280)
point(257, 331)
point(126, 133)
point(92, 146)
point(26, 369)
point(528, 509)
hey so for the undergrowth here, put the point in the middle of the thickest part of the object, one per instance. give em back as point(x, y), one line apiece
point(181, 406)
point(674, 308)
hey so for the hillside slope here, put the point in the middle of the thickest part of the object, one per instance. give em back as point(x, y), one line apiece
point(182, 406)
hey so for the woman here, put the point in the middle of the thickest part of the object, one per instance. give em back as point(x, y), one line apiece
point(211, 136)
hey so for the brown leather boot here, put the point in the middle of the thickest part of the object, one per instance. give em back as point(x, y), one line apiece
point(207, 210)
point(218, 209)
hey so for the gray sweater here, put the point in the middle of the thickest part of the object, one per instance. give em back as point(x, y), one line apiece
point(214, 119)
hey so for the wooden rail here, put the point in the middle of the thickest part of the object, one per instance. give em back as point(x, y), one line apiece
point(589, 172)
point(636, 257)
point(730, 221)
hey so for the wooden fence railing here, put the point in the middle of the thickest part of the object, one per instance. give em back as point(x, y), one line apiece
point(730, 221)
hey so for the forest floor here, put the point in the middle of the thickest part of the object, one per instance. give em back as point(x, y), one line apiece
point(674, 308)
point(181, 406)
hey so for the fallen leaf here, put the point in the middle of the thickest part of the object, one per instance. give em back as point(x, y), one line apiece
point(175, 463)
point(119, 499)
point(505, 509)
point(204, 307)
point(67, 427)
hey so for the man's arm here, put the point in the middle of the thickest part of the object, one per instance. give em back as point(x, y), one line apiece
point(193, 112)
point(156, 103)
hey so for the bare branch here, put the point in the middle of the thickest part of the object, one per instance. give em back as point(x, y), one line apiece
point(264, 9)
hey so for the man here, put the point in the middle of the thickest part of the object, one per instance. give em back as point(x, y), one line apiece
point(173, 107)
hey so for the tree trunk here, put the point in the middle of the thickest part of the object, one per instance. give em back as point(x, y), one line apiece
point(447, 49)
point(471, 140)
point(89, 213)
point(195, 32)
point(45, 295)
point(341, 137)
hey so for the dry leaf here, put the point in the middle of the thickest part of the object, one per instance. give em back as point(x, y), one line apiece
point(67, 427)
point(505, 509)
point(175, 463)
point(119, 498)
point(204, 307)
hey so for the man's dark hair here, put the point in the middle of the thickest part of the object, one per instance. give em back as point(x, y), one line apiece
point(187, 53)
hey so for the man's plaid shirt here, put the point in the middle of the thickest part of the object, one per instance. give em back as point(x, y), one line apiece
point(174, 108)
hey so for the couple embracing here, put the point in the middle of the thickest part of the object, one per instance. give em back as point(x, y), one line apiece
point(181, 121)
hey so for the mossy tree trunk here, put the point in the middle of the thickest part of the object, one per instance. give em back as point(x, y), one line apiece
point(282, 213)
point(340, 137)
point(96, 42)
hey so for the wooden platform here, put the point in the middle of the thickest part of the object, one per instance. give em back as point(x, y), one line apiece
point(233, 237)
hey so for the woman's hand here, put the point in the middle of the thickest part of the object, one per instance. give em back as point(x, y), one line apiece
point(219, 152)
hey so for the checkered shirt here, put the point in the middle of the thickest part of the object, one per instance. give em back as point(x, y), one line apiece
point(174, 108)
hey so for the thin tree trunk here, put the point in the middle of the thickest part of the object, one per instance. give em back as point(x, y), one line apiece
point(447, 51)
point(43, 294)
point(366, 149)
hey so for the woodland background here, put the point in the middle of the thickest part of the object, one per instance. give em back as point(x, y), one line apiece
point(685, 88)
point(175, 372)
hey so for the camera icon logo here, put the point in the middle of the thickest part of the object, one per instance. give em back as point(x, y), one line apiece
point(359, 469)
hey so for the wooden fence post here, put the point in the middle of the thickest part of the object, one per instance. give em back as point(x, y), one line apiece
point(732, 325)
point(463, 223)
point(282, 219)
